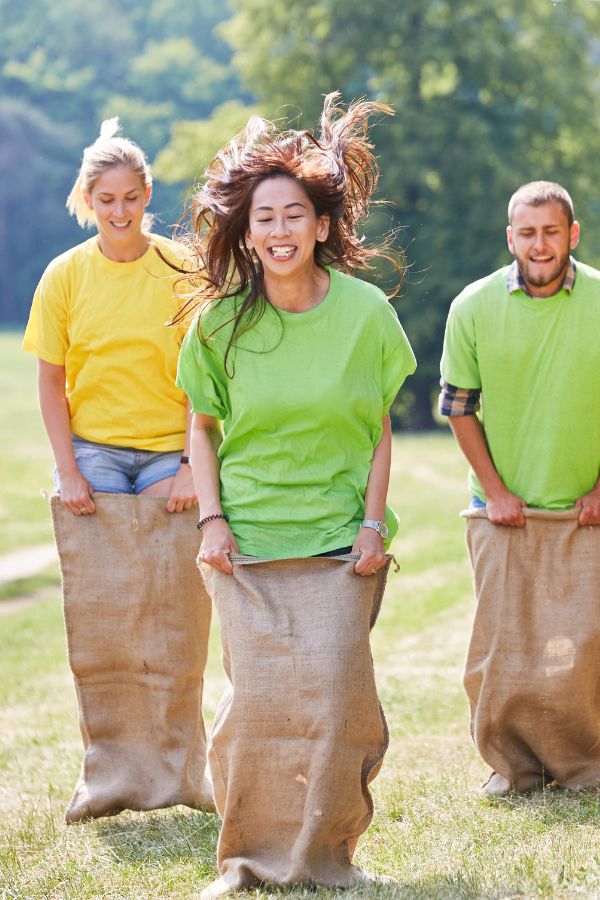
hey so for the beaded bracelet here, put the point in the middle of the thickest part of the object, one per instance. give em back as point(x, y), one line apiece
point(206, 519)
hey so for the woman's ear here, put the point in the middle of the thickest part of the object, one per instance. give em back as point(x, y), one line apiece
point(323, 223)
point(148, 190)
point(88, 199)
point(248, 240)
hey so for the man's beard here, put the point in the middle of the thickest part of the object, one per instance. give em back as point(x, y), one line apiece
point(543, 278)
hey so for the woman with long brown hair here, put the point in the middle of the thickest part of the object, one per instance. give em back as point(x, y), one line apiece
point(301, 362)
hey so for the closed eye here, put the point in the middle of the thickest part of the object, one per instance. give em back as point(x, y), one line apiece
point(129, 197)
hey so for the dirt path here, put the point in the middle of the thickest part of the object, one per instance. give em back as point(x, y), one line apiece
point(27, 562)
point(7, 607)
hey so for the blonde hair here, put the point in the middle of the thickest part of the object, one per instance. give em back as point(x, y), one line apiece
point(107, 152)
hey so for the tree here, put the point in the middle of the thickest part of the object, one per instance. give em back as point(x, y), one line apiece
point(193, 144)
point(66, 66)
point(33, 151)
point(488, 94)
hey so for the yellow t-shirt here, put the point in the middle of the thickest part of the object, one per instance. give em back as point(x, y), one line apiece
point(104, 321)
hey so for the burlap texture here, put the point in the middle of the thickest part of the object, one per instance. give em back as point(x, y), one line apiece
point(300, 732)
point(137, 619)
point(533, 668)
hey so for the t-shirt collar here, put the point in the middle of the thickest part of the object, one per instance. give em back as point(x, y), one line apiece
point(515, 280)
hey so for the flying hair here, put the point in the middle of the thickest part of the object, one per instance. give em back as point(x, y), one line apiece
point(109, 128)
point(109, 151)
point(337, 169)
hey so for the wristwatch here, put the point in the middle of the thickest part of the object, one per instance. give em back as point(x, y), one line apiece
point(380, 527)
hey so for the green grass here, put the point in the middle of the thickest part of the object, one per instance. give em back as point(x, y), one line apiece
point(27, 587)
point(431, 831)
point(25, 459)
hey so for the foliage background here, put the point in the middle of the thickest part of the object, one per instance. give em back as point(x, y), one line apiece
point(488, 94)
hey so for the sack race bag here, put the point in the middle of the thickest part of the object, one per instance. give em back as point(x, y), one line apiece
point(137, 620)
point(533, 664)
point(300, 732)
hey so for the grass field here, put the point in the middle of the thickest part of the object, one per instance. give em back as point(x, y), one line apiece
point(25, 461)
point(431, 831)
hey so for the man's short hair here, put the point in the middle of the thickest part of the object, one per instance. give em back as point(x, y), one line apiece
point(538, 193)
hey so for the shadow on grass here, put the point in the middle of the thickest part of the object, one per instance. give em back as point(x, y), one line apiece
point(163, 837)
point(553, 804)
point(426, 888)
point(167, 837)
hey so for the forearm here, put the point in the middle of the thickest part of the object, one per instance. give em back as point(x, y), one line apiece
point(187, 447)
point(368, 542)
point(205, 438)
point(75, 490)
point(56, 415)
point(379, 476)
point(503, 507)
point(218, 542)
point(182, 491)
point(471, 440)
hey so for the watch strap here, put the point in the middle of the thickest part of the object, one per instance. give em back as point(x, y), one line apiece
point(372, 523)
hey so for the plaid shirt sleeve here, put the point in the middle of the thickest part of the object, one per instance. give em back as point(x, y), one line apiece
point(455, 401)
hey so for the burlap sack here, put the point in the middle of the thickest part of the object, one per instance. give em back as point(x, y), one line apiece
point(137, 620)
point(533, 667)
point(300, 732)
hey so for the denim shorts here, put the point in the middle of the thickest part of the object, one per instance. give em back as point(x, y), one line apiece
point(121, 470)
point(477, 503)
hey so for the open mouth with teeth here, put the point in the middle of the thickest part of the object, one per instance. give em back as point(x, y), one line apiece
point(283, 252)
point(121, 226)
point(541, 259)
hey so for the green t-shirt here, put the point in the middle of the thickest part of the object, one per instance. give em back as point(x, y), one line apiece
point(537, 362)
point(301, 415)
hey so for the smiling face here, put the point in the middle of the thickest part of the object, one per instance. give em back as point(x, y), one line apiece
point(540, 239)
point(118, 198)
point(283, 227)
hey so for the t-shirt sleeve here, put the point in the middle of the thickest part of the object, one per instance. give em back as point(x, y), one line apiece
point(398, 358)
point(46, 334)
point(200, 373)
point(459, 365)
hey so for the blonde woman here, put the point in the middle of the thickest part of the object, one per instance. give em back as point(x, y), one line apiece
point(114, 417)
point(136, 615)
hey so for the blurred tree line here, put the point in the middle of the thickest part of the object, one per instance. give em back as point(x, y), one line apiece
point(488, 94)
point(65, 66)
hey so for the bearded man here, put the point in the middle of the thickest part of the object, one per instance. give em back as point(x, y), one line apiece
point(525, 341)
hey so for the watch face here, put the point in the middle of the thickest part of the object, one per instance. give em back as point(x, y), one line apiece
point(383, 530)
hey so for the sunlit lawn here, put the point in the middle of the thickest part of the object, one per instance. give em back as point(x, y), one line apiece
point(431, 830)
point(25, 462)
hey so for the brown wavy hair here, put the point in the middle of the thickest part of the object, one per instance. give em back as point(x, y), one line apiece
point(339, 173)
